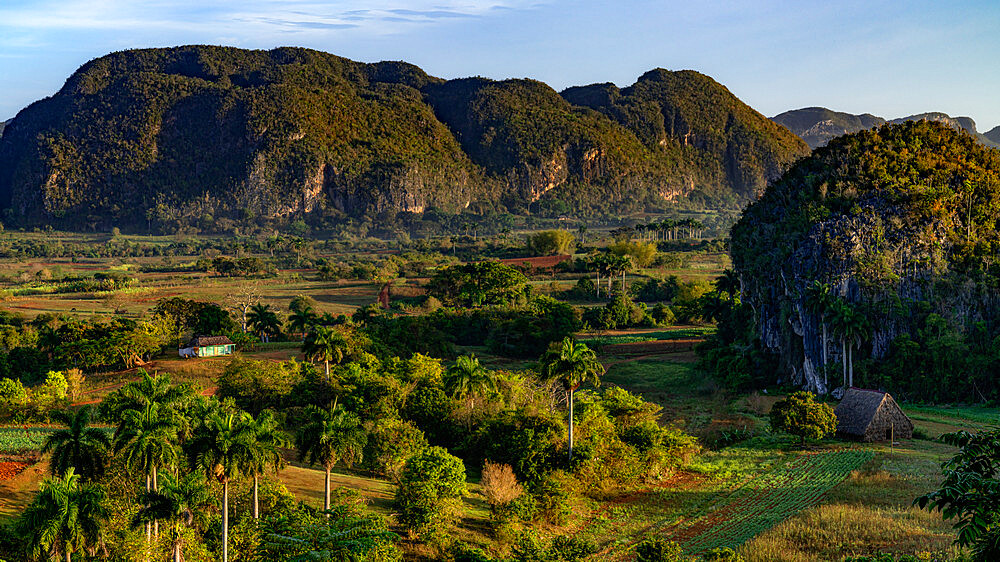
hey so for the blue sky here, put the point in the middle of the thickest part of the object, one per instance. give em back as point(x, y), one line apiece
point(887, 58)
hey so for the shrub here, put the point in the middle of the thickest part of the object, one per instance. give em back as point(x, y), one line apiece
point(801, 415)
point(390, 444)
point(658, 551)
point(500, 486)
point(430, 488)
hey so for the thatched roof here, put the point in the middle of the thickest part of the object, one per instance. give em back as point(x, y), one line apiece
point(857, 409)
point(871, 415)
point(202, 341)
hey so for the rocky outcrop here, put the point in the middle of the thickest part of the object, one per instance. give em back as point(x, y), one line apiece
point(233, 134)
point(819, 125)
point(892, 250)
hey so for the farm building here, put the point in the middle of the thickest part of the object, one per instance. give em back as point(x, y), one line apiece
point(870, 415)
point(208, 346)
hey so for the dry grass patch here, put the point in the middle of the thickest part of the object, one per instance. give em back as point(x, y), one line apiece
point(831, 532)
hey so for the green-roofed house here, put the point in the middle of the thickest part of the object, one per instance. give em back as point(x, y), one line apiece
point(208, 346)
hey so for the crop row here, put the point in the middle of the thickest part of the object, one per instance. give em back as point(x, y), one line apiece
point(23, 439)
point(770, 498)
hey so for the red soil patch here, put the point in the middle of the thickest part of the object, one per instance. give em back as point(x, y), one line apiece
point(10, 469)
point(539, 262)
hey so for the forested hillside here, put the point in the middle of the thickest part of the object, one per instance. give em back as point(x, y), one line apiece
point(198, 135)
point(875, 260)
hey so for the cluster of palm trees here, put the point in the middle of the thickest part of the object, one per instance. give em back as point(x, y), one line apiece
point(174, 442)
point(666, 229)
point(611, 267)
point(845, 322)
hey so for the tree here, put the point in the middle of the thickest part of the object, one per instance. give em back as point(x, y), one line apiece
point(970, 491)
point(145, 437)
point(65, 517)
point(325, 344)
point(221, 448)
point(180, 502)
point(467, 377)
point(79, 446)
point(801, 415)
point(263, 321)
point(302, 321)
point(852, 327)
point(572, 364)
point(432, 483)
point(819, 301)
point(264, 443)
point(478, 284)
point(242, 299)
point(550, 242)
point(330, 436)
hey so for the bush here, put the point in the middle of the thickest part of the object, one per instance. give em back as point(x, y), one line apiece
point(390, 444)
point(658, 551)
point(499, 486)
point(801, 415)
point(430, 489)
point(723, 554)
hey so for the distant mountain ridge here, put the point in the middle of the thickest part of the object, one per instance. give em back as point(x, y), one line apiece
point(202, 135)
point(818, 125)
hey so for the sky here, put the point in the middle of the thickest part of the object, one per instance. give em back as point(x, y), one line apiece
point(889, 58)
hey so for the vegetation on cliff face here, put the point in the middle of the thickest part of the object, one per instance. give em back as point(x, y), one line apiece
point(899, 226)
point(204, 135)
point(722, 145)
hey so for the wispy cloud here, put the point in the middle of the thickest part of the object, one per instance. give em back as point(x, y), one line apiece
point(245, 18)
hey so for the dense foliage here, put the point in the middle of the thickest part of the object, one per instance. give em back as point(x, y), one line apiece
point(876, 258)
point(209, 138)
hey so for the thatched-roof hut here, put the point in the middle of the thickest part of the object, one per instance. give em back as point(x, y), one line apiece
point(870, 415)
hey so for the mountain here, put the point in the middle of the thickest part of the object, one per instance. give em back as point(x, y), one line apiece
point(818, 125)
point(690, 119)
point(213, 136)
point(887, 220)
point(2, 125)
point(993, 134)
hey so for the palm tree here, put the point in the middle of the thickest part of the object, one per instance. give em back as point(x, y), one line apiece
point(79, 446)
point(265, 442)
point(302, 321)
point(331, 436)
point(572, 364)
point(818, 302)
point(325, 344)
point(65, 517)
point(852, 327)
point(221, 447)
point(264, 321)
point(466, 378)
point(146, 439)
point(180, 502)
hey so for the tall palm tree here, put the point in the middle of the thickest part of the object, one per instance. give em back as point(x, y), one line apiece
point(331, 436)
point(325, 344)
point(264, 443)
point(221, 447)
point(852, 327)
point(572, 364)
point(180, 502)
point(818, 302)
point(65, 517)
point(467, 377)
point(79, 446)
point(147, 440)
point(263, 321)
